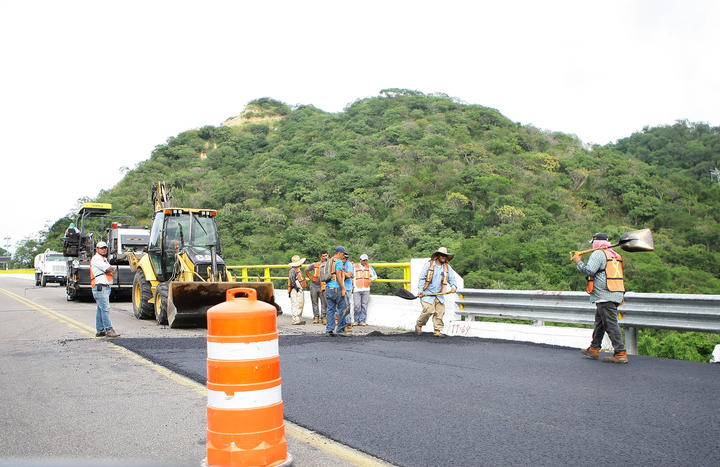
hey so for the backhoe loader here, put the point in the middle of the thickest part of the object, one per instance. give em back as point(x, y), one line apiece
point(182, 274)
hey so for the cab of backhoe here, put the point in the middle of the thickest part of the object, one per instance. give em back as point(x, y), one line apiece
point(191, 233)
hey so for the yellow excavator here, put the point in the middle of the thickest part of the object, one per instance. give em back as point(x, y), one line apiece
point(181, 274)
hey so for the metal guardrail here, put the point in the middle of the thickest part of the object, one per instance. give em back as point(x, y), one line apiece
point(684, 312)
point(244, 275)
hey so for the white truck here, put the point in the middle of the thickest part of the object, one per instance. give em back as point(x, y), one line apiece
point(50, 266)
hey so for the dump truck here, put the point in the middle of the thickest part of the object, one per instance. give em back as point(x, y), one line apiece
point(79, 248)
point(50, 266)
point(182, 275)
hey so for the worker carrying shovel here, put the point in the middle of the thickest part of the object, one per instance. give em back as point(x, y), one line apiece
point(606, 288)
point(437, 278)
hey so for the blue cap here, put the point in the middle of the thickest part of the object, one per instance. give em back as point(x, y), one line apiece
point(340, 248)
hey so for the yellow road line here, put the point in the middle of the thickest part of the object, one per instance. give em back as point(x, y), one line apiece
point(296, 431)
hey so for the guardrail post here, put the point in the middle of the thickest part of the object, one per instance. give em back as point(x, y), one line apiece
point(267, 275)
point(631, 341)
point(406, 276)
point(538, 322)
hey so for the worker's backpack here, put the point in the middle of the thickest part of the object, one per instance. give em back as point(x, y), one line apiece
point(326, 270)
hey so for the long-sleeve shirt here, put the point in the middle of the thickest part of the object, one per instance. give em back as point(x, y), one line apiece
point(596, 267)
point(436, 282)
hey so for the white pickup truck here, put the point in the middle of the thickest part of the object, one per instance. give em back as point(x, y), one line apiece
point(50, 266)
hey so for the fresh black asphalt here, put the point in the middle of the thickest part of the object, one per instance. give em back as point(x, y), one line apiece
point(424, 401)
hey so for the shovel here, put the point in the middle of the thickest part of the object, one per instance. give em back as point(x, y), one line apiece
point(637, 240)
point(404, 293)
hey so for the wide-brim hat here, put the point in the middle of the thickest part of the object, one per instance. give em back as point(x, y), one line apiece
point(296, 261)
point(443, 251)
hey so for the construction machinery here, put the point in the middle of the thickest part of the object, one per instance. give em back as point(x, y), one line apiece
point(182, 273)
point(79, 248)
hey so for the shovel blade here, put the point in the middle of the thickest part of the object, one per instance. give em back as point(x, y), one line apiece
point(637, 240)
point(188, 302)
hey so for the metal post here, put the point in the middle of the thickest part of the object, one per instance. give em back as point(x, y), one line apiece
point(631, 341)
point(538, 322)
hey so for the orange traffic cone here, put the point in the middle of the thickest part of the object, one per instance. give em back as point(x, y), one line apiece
point(245, 408)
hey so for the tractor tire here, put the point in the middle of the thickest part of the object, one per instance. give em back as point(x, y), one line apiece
point(141, 294)
point(161, 301)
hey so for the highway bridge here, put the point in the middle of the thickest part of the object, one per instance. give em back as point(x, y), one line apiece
point(380, 396)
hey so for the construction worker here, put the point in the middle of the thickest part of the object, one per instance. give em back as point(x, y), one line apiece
point(296, 289)
point(317, 289)
point(345, 319)
point(100, 280)
point(335, 290)
point(364, 277)
point(606, 288)
point(436, 279)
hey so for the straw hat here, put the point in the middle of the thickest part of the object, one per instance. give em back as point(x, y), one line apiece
point(443, 251)
point(296, 261)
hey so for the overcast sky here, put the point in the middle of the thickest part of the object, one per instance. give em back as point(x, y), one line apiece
point(90, 87)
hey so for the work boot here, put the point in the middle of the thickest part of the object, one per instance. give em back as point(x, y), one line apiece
point(439, 334)
point(112, 333)
point(592, 352)
point(316, 320)
point(100, 334)
point(299, 322)
point(619, 357)
point(348, 327)
point(418, 330)
point(324, 320)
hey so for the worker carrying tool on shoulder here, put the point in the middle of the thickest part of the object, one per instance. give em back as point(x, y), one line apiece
point(606, 288)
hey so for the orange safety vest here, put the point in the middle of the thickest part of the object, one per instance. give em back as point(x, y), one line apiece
point(108, 275)
point(613, 273)
point(431, 271)
point(316, 271)
point(362, 276)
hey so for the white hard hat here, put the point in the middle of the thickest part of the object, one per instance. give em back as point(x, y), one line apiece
point(101, 245)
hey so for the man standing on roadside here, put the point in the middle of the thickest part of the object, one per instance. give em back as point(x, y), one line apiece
point(100, 280)
point(436, 278)
point(606, 287)
point(364, 276)
point(335, 290)
point(345, 319)
point(317, 289)
point(296, 289)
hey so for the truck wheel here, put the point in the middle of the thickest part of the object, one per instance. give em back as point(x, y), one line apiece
point(161, 301)
point(43, 280)
point(141, 293)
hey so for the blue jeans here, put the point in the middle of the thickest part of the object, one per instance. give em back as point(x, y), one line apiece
point(102, 315)
point(361, 300)
point(335, 306)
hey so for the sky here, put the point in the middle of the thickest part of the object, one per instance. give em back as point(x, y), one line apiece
point(89, 88)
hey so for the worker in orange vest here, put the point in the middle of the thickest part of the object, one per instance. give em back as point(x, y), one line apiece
point(101, 277)
point(364, 277)
point(606, 288)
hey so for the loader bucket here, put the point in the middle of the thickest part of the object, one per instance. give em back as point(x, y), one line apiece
point(637, 240)
point(188, 302)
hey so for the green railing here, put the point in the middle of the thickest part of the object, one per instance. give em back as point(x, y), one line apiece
point(245, 276)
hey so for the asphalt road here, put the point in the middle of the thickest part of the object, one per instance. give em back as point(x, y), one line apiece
point(423, 401)
point(408, 400)
point(67, 398)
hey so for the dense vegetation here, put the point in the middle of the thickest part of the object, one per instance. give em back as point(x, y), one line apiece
point(398, 175)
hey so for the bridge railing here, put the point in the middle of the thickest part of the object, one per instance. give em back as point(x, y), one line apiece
point(684, 312)
point(244, 274)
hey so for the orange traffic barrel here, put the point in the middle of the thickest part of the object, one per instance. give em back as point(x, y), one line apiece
point(245, 408)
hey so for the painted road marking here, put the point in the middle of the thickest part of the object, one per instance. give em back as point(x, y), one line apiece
point(304, 435)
